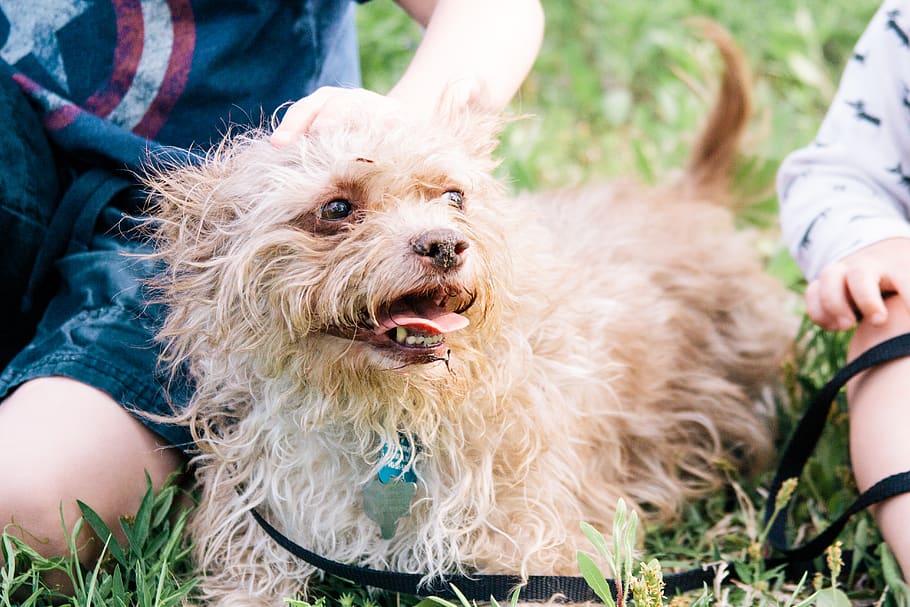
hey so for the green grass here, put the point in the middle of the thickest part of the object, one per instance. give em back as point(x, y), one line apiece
point(608, 97)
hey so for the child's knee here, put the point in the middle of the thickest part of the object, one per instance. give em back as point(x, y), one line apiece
point(61, 441)
point(37, 509)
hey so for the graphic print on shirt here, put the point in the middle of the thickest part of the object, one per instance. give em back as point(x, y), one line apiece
point(806, 240)
point(151, 58)
point(862, 114)
point(904, 179)
point(892, 25)
point(33, 31)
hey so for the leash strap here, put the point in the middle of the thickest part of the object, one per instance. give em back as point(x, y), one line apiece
point(576, 589)
point(803, 442)
point(536, 588)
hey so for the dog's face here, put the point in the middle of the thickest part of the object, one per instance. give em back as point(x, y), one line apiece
point(382, 243)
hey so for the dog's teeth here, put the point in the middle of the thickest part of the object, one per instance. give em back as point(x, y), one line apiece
point(404, 337)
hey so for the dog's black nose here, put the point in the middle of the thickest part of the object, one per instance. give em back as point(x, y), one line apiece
point(444, 248)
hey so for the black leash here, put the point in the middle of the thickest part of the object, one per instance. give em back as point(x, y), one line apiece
point(478, 587)
point(803, 442)
point(538, 588)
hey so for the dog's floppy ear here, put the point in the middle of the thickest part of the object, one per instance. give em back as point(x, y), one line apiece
point(470, 119)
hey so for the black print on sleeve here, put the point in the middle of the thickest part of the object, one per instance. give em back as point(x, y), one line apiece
point(806, 240)
point(861, 114)
point(892, 25)
point(904, 179)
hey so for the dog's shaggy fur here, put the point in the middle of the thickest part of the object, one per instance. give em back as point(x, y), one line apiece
point(620, 340)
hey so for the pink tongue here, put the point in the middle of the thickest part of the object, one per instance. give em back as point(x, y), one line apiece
point(422, 316)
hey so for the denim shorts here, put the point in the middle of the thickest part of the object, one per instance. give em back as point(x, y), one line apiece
point(87, 316)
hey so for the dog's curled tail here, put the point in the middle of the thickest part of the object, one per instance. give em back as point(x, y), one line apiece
point(711, 162)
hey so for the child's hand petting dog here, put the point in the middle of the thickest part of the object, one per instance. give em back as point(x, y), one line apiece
point(331, 106)
point(853, 288)
point(328, 106)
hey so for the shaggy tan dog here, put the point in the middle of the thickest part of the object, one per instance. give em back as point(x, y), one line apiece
point(367, 290)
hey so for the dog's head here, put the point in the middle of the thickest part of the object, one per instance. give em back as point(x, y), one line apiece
point(377, 243)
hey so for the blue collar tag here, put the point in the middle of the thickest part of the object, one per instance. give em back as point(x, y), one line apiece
point(387, 497)
point(399, 467)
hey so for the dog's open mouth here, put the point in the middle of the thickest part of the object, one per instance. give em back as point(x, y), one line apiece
point(414, 326)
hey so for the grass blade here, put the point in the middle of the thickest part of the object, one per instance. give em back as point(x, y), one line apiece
point(103, 532)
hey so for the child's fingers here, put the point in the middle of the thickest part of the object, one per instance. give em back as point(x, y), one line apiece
point(332, 107)
point(834, 297)
point(300, 116)
point(866, 292)
point(816, 311)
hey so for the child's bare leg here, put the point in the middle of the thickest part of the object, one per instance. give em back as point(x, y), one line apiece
point(880, 426)
point(62, 440)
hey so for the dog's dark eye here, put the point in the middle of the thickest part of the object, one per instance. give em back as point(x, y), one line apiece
point(336, 210)
point(455, 198)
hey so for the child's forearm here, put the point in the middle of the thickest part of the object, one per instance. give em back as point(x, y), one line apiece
point(475, 47)
point(473, 50)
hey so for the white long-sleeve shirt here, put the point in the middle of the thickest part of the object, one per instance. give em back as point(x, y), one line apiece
point(851, 187)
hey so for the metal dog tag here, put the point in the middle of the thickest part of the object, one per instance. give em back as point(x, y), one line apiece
point(385, 503)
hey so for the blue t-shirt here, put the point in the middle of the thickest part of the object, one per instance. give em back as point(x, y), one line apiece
point(114, 80)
